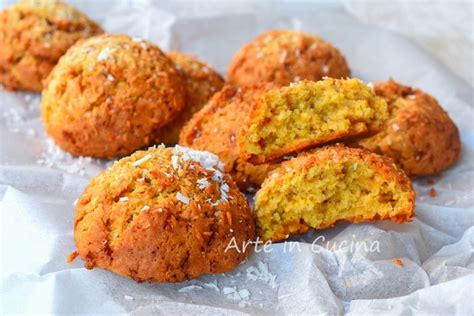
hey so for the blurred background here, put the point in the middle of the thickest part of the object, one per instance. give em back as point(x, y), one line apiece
point(444, 28)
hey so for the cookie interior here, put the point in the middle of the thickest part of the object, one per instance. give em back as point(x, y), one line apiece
point(326, 193)
point(309, 113)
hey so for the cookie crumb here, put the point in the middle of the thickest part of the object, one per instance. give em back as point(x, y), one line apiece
point(432, 193)
point(72, 257)
point(397, 262)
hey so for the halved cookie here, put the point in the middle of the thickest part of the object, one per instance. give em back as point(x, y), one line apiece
point(215, 127)
point(307, 114)
point(332, 184)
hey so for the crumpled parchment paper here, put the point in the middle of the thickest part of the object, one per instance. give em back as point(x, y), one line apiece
point(425, 266)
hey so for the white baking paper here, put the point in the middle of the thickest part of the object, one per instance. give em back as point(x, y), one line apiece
point(425, 266)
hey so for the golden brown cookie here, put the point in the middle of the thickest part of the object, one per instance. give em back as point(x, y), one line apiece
point(305, 114)
point(286, 56)
point(109, 94)
point(419, 136)
point(33, 35)
point(332, 184)
point(163, 215)
point(201, 83)
point(216, 126)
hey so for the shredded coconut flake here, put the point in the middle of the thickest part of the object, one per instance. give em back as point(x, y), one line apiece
point(224, 192)
point(141, 41)
point(143, 177)
point(123, 199)
point(54, 157)
point(206, 160)
point(189, 288)
point(267, 39)
point(110, 77)
point(262, 273)
point(142, 160)
point(313, 46)
point(242, 296)
point(145, 208)
point(104, 54)
point(202, 183)
point(174, 162)
point(450, 203)
point(183, 198)
point(213, 285)
point(19, 119)
point(370, 85)
point(395, 127)
point(283, 57)
point(325, 69)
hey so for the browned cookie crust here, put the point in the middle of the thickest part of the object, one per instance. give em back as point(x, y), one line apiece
point(419, 136)
point(286, 56)
point(201, 83)
point(216, 126)
point(163, 215)
point(109, 94)
point(34, 34)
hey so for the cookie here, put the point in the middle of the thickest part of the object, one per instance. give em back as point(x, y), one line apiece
point(332, 184)
point(34, 34)
point(201, 83)
point(286, 56)
point(419, 135)
point(109, 94)
point(215, 128)
point(163, 215)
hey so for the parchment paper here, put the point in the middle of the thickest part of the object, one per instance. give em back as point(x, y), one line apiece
point(425, 266)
